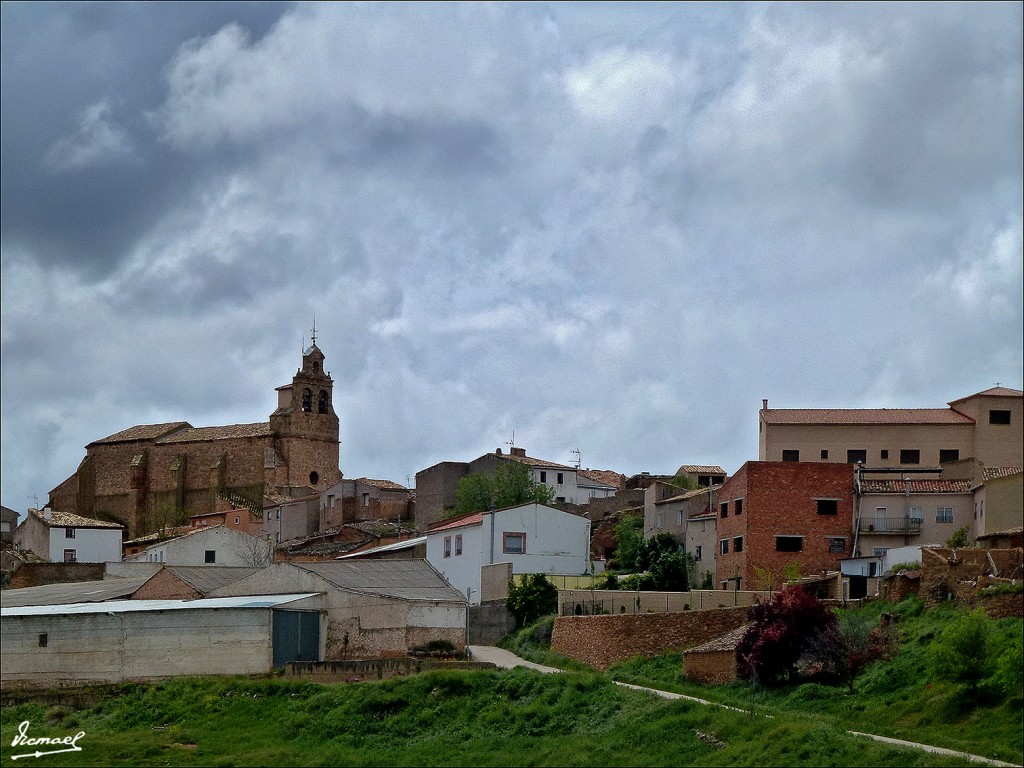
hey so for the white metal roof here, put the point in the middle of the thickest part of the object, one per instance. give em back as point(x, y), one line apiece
point(396, 547)
point(132, 606)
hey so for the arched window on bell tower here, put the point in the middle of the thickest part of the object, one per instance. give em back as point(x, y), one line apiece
point(307, 400)
point(322, 404)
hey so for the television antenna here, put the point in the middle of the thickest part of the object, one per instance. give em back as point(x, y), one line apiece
point(576, 452)
point(512, 442)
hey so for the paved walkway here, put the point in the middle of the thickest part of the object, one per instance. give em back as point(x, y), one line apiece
point(506, 660)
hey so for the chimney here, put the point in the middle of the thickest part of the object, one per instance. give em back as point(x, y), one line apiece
point(497, 451)
point(518, 451)
point(47, 514)
point(764, 404)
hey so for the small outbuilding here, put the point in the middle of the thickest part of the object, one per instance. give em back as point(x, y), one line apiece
point(714, 661)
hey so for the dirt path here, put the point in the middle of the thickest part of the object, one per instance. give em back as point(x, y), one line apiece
point(506, 660)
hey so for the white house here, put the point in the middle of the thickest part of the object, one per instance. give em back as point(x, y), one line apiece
point(216, 545)
point(534, 538)
point(63, 537)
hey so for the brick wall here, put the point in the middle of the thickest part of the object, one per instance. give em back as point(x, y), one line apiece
point(601, 641)
point(779, 498)
point(165, 586)
point(943, 570)
point(716, 667)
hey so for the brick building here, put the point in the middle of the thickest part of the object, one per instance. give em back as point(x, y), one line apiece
point(772, 514)
point(364, 498)
point(152, 476)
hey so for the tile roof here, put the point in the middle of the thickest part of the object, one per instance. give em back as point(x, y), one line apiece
point(702, 491)
point(70, 520)
point(200, 434)
point(864, 416)
point(1008, 532)
point(385, 485)
point(143, 432)
point(406, 579)
point(531, 461)
point(993, 392)
point(604, 476)
point(915, 486)
point(477, 518)
point(726, 642)
point(992, 473)
point(700, 469)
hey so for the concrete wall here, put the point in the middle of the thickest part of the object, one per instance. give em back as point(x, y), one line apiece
point(489, 623)
point(99, 647)
point(1003, 506)
point(91, 545)
point(898, 506)
point(435, 490)
point(494, 581)
point(996, 445)
point(230, 548)
point(601, 641)
point(375, 626)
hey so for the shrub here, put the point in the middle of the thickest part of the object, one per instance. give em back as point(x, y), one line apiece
point(847, 647)
point(958, 539)
point(780, 632)
point(960, 654)
point(532, 598)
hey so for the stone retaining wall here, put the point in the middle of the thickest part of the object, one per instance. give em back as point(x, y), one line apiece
point(601, 641)
point(357, 670)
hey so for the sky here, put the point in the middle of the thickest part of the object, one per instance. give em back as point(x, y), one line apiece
point(605, 228)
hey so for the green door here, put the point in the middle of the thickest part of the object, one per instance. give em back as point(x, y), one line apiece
point(296, 636)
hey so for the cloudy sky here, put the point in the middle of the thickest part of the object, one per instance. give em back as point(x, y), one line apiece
point(611, 228)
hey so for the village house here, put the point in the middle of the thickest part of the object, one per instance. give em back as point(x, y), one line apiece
point(8, 522)
point(285, 519)
point(986, 427)
point(374, 608)
point(999, 506)
point(153, 476)
point(64, 537)
point(898, 512)
point(216, 545)
point(349, 501)
point(534, 538)
point(773, 515)
point(436, 485)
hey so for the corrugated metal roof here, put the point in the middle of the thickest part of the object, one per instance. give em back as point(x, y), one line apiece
point(73, 592)
point(136, 606)
point(206, 578)
point(405, 579)
point(396, 547)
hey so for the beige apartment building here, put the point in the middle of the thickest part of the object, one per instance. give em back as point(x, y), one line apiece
point(985, 427)
point(892, 513)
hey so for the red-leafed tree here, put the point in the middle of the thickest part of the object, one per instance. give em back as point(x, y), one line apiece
point(780, 631)
point(845, 649)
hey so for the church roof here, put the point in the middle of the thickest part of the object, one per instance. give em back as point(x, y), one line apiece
point(143, 432)
point(201, 434)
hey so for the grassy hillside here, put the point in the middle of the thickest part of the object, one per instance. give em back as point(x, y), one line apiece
point(442, 718)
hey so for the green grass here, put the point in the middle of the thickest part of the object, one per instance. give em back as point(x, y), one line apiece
point(898, 698)
point(517, 717)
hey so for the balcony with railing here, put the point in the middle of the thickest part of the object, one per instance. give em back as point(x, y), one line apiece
point(898, 526)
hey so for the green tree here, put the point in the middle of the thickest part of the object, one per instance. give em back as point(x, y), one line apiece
point(685, 482)
point(958, 539)
point(534, 596)
point(961, 652)
point(846, 648)
point(629, 544)
point(511, 484)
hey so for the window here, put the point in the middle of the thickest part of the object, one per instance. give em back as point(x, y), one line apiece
point(543, 477)
point(366, 499)
point(739, 506)
point(828, 506)
point(236, 519)
point(321, 406)
point(697, 552)
point(43, 639)
point(910, 456)
point(998, 417)
point(314, 478)
point(70, 556)
point(836, 544)
point(559, 478)
point(791, 455)
point(724, 543)
point(789, 543)
point(458, 545)
point(737, 544)
point(824, 454)
point(880, 551)
point(211, 556)
point(724, 506)
point(513, 543)
point(307, 400)
point(916, 513)
point(856, 456)
point(944, 515)
point(885, 453)
point(948, 454)
point(69, 533)
point(872, 568)
point(447, 546)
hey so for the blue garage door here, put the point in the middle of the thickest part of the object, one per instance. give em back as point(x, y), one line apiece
point(296, 637)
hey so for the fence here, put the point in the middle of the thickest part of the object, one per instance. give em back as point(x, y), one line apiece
point(585, 581)
point(591, 602)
